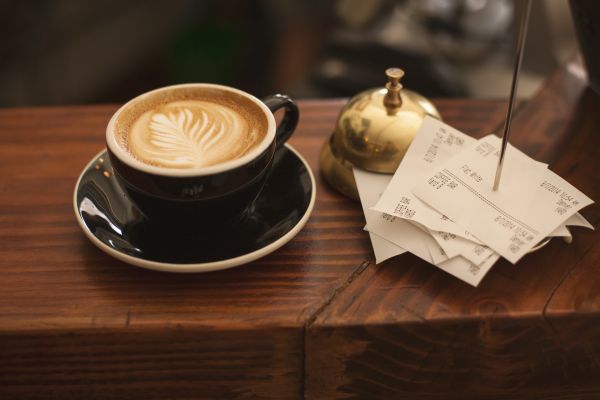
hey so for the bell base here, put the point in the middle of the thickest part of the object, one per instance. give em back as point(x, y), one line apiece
point(337, 172)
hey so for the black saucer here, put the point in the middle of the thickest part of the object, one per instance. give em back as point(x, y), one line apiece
point(114, 224)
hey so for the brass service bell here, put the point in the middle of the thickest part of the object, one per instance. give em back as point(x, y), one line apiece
point(373, 132)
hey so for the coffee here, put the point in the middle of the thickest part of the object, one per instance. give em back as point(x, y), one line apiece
point(196, 152)
point(188, 127)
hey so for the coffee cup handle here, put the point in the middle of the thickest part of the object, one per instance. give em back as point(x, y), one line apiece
point(290, 117)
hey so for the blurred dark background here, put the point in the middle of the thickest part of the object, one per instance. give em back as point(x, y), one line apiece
point(68, 51)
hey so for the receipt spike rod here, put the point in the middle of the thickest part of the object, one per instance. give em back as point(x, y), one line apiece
point(513, 88)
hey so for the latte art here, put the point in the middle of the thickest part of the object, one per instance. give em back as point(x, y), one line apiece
point(190, 134)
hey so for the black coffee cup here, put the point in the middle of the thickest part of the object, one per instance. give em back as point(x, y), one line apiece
point(189, 198)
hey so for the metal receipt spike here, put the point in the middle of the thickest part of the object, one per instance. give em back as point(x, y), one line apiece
point(513, 89)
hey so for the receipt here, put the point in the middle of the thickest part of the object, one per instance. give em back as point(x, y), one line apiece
point(434, 143)
point(578, 220)
point(370, 187)
point(384, 249)
point(574, 220)
point(453, 245)
point(418, 242)
point(532, 201)
point(405, 235)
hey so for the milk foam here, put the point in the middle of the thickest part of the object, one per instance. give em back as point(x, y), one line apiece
point(190, 134)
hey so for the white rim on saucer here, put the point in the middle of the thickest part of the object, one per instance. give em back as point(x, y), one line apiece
point(199, 267)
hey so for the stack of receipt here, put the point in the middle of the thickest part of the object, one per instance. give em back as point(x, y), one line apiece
point(440, 206)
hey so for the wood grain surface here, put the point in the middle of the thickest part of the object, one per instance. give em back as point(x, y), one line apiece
point(316, 319)
point(529, 331)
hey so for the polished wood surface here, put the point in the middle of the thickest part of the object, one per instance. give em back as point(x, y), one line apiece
point(316, 319)
point(531, 330)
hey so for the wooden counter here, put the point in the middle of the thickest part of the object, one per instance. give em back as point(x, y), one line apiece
point(317, 318)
